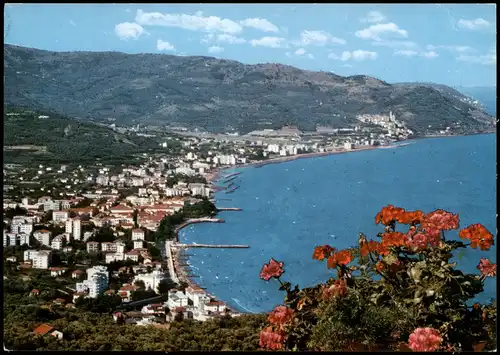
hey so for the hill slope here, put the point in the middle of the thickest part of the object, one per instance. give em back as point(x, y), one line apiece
point(36, 136)
point(218, 95)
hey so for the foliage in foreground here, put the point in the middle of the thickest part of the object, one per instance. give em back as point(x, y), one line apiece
point(397, 293)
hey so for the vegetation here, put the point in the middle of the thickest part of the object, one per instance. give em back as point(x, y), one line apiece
point(168, 225)
point(403, 292)
point(58, 139)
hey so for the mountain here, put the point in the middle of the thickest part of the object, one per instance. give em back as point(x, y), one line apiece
point(220, 95)
point(31, 136)
point(486, 95)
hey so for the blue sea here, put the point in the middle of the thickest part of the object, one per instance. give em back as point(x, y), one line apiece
point(291, 207)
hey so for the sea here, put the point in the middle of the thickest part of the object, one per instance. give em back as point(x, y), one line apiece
point(289, 208)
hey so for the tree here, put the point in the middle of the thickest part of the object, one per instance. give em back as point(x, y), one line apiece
point(17, 211)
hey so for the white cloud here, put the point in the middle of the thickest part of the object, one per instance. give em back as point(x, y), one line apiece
point(374, 32)
point(406, 53)
point(310, 56)
point(215, 49)
point(164, 46)
point(72, 23)
point(459, 49)
point(489, 58)
point(271, 42)
point(373, 16)
point(396, 44)
point(358, 55)
point(319, 38)
point(476, 24)
point(259, 24)
point(128, 30)
point(300, 51)
point(430, 54)
point(188, 22)
point(225, 38)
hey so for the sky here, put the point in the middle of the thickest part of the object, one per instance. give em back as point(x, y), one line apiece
point(446, 44)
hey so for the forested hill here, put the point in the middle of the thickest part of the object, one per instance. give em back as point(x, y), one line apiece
point(219, 95)
point(51, 137)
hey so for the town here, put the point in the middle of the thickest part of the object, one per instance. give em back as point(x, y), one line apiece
point(105, 230)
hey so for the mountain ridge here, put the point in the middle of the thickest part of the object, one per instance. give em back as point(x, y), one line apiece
point(220, 95)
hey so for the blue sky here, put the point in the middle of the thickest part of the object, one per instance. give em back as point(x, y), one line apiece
point(447, 44)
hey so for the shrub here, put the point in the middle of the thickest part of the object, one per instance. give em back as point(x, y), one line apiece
point(400, 292)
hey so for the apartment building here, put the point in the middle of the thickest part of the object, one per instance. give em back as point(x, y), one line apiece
point(43, 236)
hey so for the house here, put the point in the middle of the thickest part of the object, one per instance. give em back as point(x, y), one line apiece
point(57, 271)
point(108, 247)
point(121, 209)
point(111, 257)
point(132, 255)
point(137, 234)
point(151, 280)
point(215, 306)
point(125, 291)
point(45, 329)
point(43, 236)
point(180, 312)
point(12, 259)
point(176, 299)
point(138, 243)
point(59, 216)
point(92, 247)
point(35, 293)
point(153, 309)
point(77, 274)
point(77, 295)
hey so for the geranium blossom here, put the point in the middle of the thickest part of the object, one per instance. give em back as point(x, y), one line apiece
point(370, 246)
point(271, 339)
point(392, 239)
point(441, 220)
point(342, 257)
point(410, 217)
point(478, 235)
point(273, 269)
point(280, 316)
point(487, 268)
point(425, 339)
point(322, 252)
point(338, 289)
point(388, 214)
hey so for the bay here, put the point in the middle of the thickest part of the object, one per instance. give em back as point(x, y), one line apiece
point(291, 207)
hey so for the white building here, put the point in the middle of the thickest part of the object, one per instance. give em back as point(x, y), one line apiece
point(348, 146)
point(273, 148)
point(59, 216)
point(132, 255)
point(107, 247)
point(94, 285)
point(43, 236)
point(40, 258)
point(77, 229)
point(120, 247)
point(58, 242)
point(111, 257)
point(137, 234)
point(10, 239)
point(176, 299)
point(138, 244)
point(151, 280)
point(92, 247)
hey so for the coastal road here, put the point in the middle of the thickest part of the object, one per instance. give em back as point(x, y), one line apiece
point(170, 262)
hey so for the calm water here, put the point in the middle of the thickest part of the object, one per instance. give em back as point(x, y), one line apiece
point(289, 208)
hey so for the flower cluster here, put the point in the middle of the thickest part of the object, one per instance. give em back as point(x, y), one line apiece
point(478, 235)
point(487, 268)
point(273, 269)
point(425, 339)
point(416, 260)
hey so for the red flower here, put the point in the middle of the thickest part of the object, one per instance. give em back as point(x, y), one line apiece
point(392, 239)
point(410, 217)
point(342, 257)
point(322, 252)
point(388, 214)
point(338, 289)
point(380, 266)
point(487, 268)
point(422, 240)
point(370, 246)
point(280, 316)
point(271, 340)
point(425, 339)
point(273, 269)
point(478, 235)
point(441, 220)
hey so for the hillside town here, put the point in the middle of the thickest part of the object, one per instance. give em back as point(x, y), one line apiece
point(97, 228)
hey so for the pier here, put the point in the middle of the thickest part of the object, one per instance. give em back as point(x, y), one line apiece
point(198, 220)
point(229, 209)
point(221, 246)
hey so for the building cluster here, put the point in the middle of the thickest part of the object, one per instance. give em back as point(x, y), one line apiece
point(395, 129)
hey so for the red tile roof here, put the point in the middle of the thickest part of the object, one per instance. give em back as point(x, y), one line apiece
point(179, 309)
point(35, 291)
point(43, 329)
point(137, 230)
